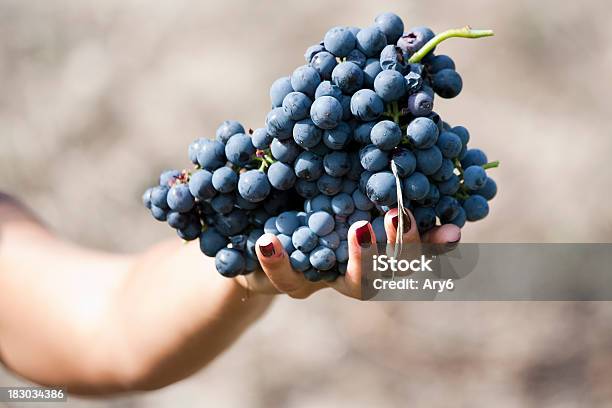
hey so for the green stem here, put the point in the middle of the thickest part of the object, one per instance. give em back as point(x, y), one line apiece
point(458, 166)
point(465, 32)
point(269, 159)
point(263, 166)
point(491, 165)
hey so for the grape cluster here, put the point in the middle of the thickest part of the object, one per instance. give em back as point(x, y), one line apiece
point(347, 131)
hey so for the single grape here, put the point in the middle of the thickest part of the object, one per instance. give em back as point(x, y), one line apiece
point(297, 105)
point(450, 186)
point(476, 207)
point(359, 215)
point(224, 180)
point(228, 129)
point(305, 188)
point(416, 186)
point(445, 172)
point(371, 69)
point(366, 105)
point(308, 166)
point(348, 77)
point(299, 261)
point(285, 151)
point(279, 89)
point(373, 159)
point(322, 258)
point(160, 214)
point(440, 62)
point(146, 197)
point(223, 203)
point(447, 208)
point(211, 155)
point(473, 157)
point(345, 102)
point(420, 103)
point(312, 275)
point(447, 83)
point(348, 186)
point(432, 197)
point(391, 25)
point(212, 242)
point(386, 135)
point(167, 177)
point(474, 177)
point(312, 51)
point(230, 262)
point(378, 225)
point(321, 223)
point(422, 133)
point(390, 85)
point(326, 112)
point(381, 189)
point(362, 133)
point(449, 144)
point(177, 220)
point(261, 139)
point(463, 134)
point(190, 232)
point(201, 184)
point(460, 219)
point(180, 199)
point(429, 160)
point(343, 204)
point(339, 137)
point(304, 239)
point(331, 240)
point(306, 134)
point(287, 222)
point(281, 176)
point(489, 190)
point(286, 243)
point(371, 41)
point(336, 163)
point(357, 57)
point(324, 63)
point(326, 88)
point(320, 202)
point(279, 124)
point(305, 79)
point(361, 201)
point(425, 218)
point(194, 148)
point(392, 57)
point(412, 41)
point(270, 226)
point(405, 162)
point(253, 186)
point(363, 180)
point(244, 204)
point(239, 149)
point(339, 41)
point(342, 252)
point(329, 185)
point(232, 223)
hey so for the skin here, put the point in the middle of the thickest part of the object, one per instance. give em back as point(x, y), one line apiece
point(101, 323)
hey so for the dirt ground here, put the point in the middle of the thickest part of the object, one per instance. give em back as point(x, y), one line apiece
point(98, 97)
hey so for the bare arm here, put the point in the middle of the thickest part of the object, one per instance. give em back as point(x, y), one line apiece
point(99, 323)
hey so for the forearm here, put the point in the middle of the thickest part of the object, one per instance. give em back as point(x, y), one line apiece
point(100, 323)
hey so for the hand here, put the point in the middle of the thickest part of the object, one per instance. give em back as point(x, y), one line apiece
point(278, 276)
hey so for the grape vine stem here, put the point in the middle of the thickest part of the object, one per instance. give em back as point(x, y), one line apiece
point(465, 32)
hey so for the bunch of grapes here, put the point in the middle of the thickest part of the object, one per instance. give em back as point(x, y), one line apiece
point(351, 134)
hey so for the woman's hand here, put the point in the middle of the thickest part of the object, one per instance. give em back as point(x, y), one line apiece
point(279, 277)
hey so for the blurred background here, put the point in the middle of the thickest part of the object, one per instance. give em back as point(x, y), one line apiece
point(98, 97)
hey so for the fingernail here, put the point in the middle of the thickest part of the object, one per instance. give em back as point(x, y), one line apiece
point(456, 240)
point(267, 250)
point(364, 237)
point(407, 222)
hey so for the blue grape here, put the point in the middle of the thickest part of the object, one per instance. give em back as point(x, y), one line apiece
point(463, 134)
point(445, 171)
point(336, 163)
point(366, 105)
point(348, 186)
point(320, 150)
point(405, 162)
point(339, 41)
point(447, 208)
point(304, 239)
point(473, 157)
point(299, 261)
point(354, 30)
point(420, 103)
point(223, 203)
point(244, 204)
point(308, 166)
point(386, 135)
point(361, 201)
point(324, 63)
point(381, 189)
point(302, 217)
point(232, 223)
point(425, 218)
point(392, 57)
point(357, 57)
point(239, 149)
point(305, 188)
point(412, 41)
point(447, 83)
point(489, 190)
point(285, 151)
point(362, 133)
point(146, 197)
point(312, 51)
point(224, 180)
point(449, 144)
point(279, 89)
point(337, 138)
point(391, 25)
point(160, 214)
point(348, 77)
point(270, 226)
point(259, 217)
point(230, 262)
point(342, 252)
point(194, 148)
point(345, 102)
point(305, 79)
point(450, 186)
point(341, 229)
point(373, 159)
point(437, 120)
point(432, 197)
point(228, 129)
point(326, 88)
point(212, 242)
point(320, 202)
point(281, 176)
point(371, 41)
point(261, 139)
point(286, 243)
point(474, 177)
point(306, 134)
point(343, 204)
point(190, 232)
point(159, 197)
point(416, 186)
point(326, 112)
point(277, 202)
point(329, 185)
point(279, 124)
point(322, 258)
point(378, 225)
point(476, 207)
point(253, 186)
point(390, 85)
point(370, 71)
point(180, 199)
point(414, 84)
point(363, 180)
point(297, 105)
point(429, 160)
point(321, 223)
point(422, 133)
point(359, 215)
point(331, 240)
point(167, 177)
point(211, 155)
point(440, 62)
point(312, 275)
point(460, 219)
point(287, 222)
point(355, 169)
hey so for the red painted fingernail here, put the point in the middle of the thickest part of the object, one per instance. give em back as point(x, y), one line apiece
point(267, 250)
point(407, 222)
point(364, 237)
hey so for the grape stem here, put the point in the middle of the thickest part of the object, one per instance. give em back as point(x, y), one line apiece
point(393, 111)
point(491, 165)
point(465, 32)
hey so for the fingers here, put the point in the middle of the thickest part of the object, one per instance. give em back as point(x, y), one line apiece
point(362, 243)
point(275, 264)
point(411, 232)
point(445, 234)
